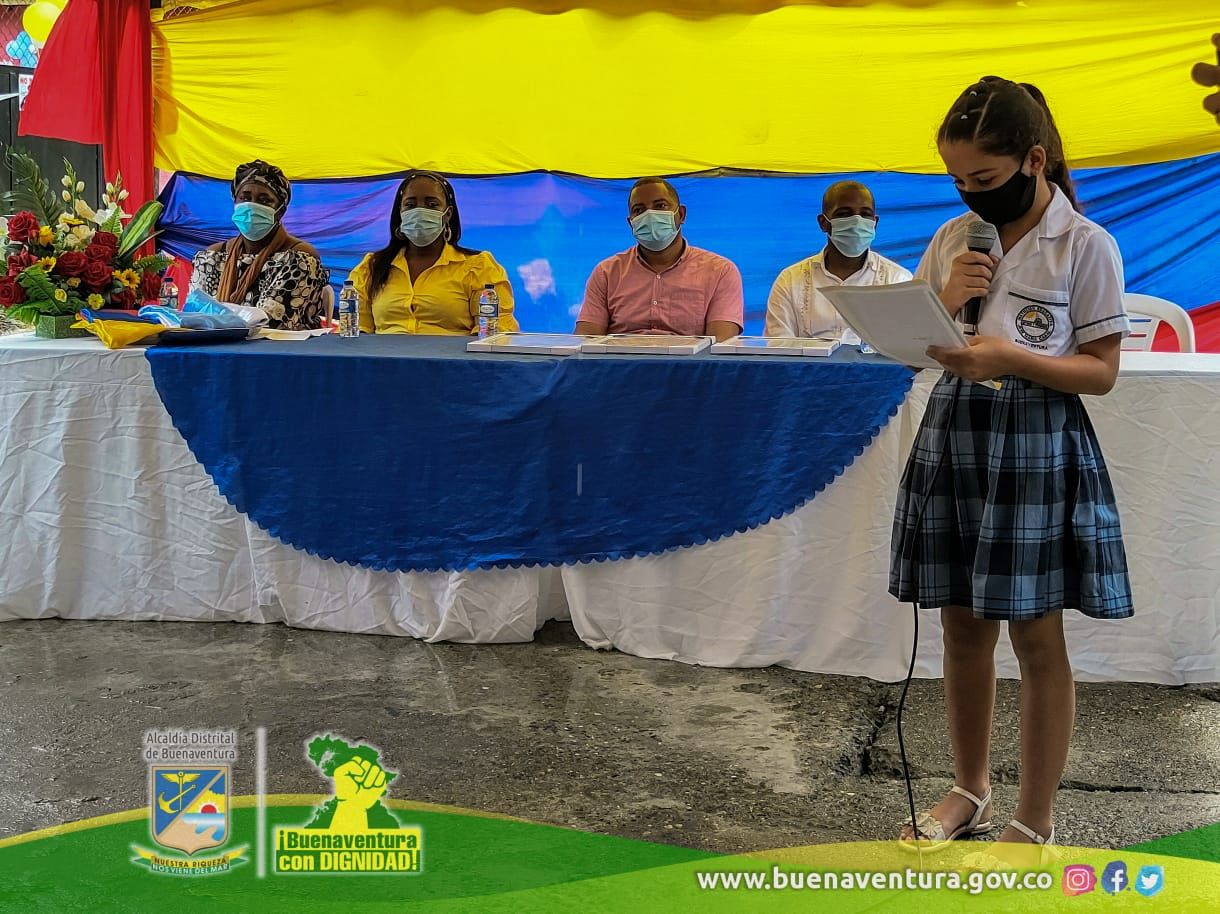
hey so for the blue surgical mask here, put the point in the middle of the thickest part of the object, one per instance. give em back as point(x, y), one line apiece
point(421, 226)
point(852, 235)
point(254, 220)
point(654, 229)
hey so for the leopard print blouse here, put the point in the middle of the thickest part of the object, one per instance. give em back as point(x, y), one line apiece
point(291, 288)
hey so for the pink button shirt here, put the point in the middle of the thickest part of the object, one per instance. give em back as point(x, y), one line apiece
point(626, 296)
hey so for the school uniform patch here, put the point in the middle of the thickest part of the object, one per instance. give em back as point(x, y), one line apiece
point(1035, 324)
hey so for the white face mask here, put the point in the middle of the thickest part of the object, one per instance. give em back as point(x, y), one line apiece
point(422, 226)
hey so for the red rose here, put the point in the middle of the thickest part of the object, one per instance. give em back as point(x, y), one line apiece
point(125, 299)
point(11, 292)
point(71, 264)
point(100, 253)
point(150, 286)
point(20, 261)
point(23, 227)
point(97, 275)
point(106, 240)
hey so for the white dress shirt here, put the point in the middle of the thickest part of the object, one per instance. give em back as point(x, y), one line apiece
point(796, 308)
point(1061, 285)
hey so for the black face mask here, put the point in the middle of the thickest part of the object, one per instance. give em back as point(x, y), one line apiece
point(1006, 203)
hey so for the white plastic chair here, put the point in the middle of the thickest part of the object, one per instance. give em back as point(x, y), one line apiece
point(1146, 313)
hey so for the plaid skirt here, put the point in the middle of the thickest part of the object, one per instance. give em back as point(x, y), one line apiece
point(1006, 507)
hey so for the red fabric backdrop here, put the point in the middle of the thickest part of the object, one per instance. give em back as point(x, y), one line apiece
point(1207, 331)
point(93, 84)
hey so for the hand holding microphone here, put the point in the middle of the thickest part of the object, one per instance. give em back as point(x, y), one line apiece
point(970, 275)
point(980, 239)
point(969, 282)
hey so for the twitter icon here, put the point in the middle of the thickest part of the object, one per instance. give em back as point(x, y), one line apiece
point(1150, 881)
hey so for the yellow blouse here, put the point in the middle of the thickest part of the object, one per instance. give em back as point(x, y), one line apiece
point(443, 300)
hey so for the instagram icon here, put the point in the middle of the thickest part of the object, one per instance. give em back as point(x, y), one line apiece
point(1078, 879)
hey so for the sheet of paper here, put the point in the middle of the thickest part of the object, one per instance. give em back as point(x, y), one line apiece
point(647, 344)
point(900, 321)
point(268, 333)
point(530, 343)
point(777, 345)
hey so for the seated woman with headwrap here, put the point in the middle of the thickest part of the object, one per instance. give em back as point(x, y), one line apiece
point(264, 266)
point(423, 281)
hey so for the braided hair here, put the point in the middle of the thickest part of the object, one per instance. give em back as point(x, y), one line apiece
point(1005, 118)
point(383, 259)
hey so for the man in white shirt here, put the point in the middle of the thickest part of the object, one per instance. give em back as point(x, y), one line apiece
point(849, 218)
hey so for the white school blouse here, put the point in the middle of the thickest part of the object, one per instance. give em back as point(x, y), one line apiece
point(1060, 286)
point(796, 307)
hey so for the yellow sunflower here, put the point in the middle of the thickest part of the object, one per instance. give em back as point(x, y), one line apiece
point(46, 234)
point(129, 278)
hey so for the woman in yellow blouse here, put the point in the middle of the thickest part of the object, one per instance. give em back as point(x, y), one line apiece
point(422, 281)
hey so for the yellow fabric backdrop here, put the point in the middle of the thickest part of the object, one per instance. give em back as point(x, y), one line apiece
point(365, 87)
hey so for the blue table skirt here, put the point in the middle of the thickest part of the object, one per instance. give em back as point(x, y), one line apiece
point(409, 454)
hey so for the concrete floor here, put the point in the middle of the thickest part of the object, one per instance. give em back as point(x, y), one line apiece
point(727, 760)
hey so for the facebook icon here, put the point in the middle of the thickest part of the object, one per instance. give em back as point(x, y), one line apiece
point(1114, 879)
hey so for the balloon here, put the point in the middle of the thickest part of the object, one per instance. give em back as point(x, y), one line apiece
point(39, 18)
point(58, 4)
point(12, 50)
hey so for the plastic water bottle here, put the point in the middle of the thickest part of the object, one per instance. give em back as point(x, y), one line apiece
point(349, 310)
point(169, 293)
point(489, 312)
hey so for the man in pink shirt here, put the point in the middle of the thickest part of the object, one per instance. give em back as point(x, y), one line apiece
point(663, 284)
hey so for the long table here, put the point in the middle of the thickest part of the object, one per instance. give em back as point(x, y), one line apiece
point(107, 514)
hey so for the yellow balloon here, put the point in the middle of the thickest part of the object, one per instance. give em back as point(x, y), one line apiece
point(38, 19)
point(59, 4)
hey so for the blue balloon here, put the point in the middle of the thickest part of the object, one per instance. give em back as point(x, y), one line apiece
point(12, 51)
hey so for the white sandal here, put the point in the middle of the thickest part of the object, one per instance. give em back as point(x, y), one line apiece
point(989, 861)
point(929, 832)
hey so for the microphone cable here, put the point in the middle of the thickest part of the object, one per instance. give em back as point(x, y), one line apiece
point(906, 685)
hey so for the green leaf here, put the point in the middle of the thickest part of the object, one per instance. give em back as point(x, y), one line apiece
point(31, 190)
point(23, 314)
point(141, 227)
point(114, 225)
point(157, 263)
point(40, 293)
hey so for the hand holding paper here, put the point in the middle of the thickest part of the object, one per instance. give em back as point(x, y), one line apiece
point(983, 360)
point(907, 322)
point(900, 321)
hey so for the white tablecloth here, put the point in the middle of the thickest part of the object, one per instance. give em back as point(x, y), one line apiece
point(107, 515)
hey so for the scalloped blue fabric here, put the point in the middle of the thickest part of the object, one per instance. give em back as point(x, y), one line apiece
point(407, 453)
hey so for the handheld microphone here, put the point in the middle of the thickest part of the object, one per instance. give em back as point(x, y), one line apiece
point(980, 238)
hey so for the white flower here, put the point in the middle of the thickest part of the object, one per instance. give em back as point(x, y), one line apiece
point(80, 187)
point(67, 197)
point(123, 195)
point(83, 234)
point(84, 210)
point(3, 227)
point(109, 188)
point(66, 181)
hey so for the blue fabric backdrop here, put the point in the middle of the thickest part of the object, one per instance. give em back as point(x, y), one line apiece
point(408, 454)
point(550, 230)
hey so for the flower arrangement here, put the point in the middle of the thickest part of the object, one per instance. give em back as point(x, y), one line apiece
point(63, 255)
